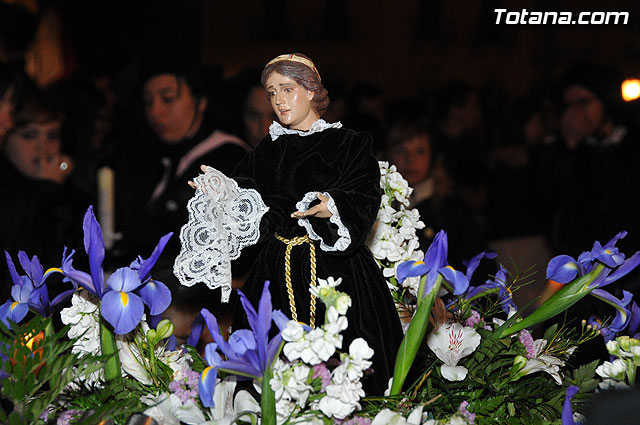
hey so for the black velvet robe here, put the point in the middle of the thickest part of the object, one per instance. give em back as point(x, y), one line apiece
point(340, 162)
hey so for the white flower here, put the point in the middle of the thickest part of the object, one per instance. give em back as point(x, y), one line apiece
point(290, 382)
point(324, 342)
point(543, 362)
point(163, 408)
point(390, 417)
point(450, 343)
point(341, 400)
point(610, 384)
point(83, 319)
point(131, 363)
point(293, 331)
point(326, 291)
point(355, 363)
point(615, 370)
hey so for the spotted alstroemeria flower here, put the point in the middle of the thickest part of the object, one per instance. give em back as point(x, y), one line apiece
point(451, 342)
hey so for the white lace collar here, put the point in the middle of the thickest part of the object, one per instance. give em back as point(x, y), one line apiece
point(276, 129)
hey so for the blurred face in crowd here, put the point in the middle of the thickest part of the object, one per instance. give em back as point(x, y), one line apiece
point(412, 157)
point(291, 102)
point(173, 112)
point(257, 115)
point(584, 113)
point(6, 108)
point(30, 146)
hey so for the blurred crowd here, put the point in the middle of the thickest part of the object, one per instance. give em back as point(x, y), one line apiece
point(558, 164)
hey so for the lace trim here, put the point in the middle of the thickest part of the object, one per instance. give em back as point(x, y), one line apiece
point(276, 129)
point(223, 219)
point(344, 239)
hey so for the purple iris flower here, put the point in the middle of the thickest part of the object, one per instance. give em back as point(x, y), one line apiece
point(120, 306)
point(30, 291)
point(248, 352)
point(435, 263)
point(564, 269)
point(567, 411)
point(497, 284)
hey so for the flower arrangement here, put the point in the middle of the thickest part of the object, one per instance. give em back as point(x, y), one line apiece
point(393, 239)
point(467, 356)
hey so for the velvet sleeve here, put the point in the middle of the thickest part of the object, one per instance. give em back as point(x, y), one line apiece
point(247, 175)
point(354, 198)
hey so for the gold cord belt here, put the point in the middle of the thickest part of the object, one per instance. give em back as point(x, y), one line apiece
point(299, 240)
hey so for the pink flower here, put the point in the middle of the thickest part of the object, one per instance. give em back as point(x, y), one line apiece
point(321, 371)
point(527, 340)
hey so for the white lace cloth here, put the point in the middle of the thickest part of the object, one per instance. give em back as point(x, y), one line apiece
point(344, 239)
point(223, 219)
point(276, 129)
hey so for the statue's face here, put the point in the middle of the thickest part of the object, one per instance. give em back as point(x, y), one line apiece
point(291, 102)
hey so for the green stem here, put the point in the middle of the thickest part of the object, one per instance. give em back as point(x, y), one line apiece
point(108, 345)
point(414, 336)
point(631, 372)
point(268, 399)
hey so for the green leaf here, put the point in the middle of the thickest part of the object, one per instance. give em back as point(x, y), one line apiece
point(567, 296)
point(413, 338)
point(550, 332)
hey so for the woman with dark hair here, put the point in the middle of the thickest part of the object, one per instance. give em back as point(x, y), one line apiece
point(313, 189)
point(181, 131)
point(40, 206)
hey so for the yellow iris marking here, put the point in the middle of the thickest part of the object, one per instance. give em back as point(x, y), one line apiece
point(608, 251)
point(15, 303)
point(449, 267)
point(124, 298)
point(418, 263)
point(205, 372)
point(53, 269)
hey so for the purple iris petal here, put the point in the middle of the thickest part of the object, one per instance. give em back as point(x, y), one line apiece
point(123, 310)
point(242, 367)
point(567, 412)
point(610, 257)
point(474, 262)
point(615, 239)
point(156, 295)
point(585, 262)
point(77, 277)
point(60, 299)
point(631, 263)
point(435, 259)
point(22, 293)
point(196, 330)
point(259, 322)
point(13, 310)
point(280, 319)
point(634, 323)
point(94, 247)
point(39, 300)
point(211, 356)
point(623, 315)
point(31, 267)
point(214, 330)
point(410, 269)
point(124, 279)
point(207, 385)
point(457, 279)
point(562, 269)
point(15, 277)
point(147, 265)
point(274, 346)
point(242, 340)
